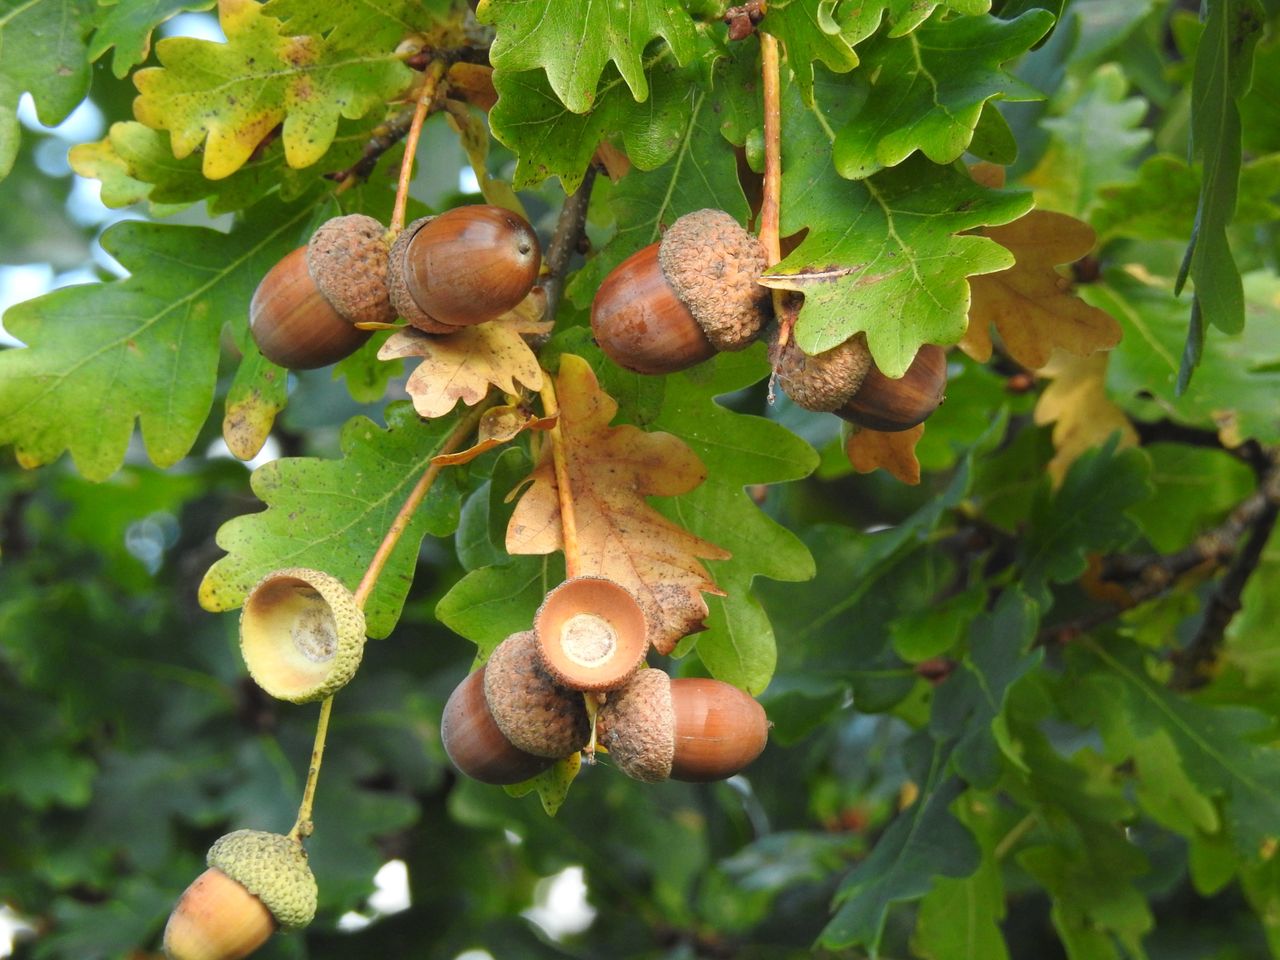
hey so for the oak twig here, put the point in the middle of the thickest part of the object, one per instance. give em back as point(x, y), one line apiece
point(570, 229)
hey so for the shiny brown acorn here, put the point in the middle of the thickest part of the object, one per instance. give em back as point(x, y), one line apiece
point(891, 405)
point(675, 303)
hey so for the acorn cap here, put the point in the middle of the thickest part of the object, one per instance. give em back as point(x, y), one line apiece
point(533, 712)
point(637, 726)
point(592, 634)
point(347, 258)
point(301, 634)
point(713, 264)
point(273, 868)
point(401, 299)
point(823, 381)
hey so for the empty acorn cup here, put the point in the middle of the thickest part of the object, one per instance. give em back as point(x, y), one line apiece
point(302, 634)
point(592, 634)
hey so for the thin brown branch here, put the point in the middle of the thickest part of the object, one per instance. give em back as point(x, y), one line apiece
point(426, 97)
point(569, 232)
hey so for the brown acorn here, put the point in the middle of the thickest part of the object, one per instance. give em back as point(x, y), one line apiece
point(302, 314)
point(675, 303)
point(825, 381)
point(474, 743)
point(894, 405)
point(534, 712)
point(469, 265)
point(257, 882)
point(689, 728)
point(592, 634)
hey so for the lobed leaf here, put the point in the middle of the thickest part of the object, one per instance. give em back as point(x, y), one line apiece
point(573, 40)
point(146, 347)
point(229, 96)
point(1082, 413)
point(127, 26)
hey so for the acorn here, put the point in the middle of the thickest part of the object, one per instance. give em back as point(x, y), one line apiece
point(534, 713)
point(591, 634)
point(825, 381)
point(302, 314)
point(301, 634)
point(469, 265)
point(257, 882)
point(474, 743)
point(689, 728)
point(676, 302)
point(894, 405)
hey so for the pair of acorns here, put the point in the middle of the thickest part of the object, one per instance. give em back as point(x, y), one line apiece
point(469, 265)
point(677, 302)
point(526, 707)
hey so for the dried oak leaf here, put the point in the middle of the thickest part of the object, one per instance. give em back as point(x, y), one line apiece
point(498, 425)
point(620, 536)
point(1077, 405)
point(463, 365)
point(870, 450)
point(1033, 306)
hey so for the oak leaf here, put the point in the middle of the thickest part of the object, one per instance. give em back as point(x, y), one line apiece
point(870, 450)
point(620, 536)
point(1077, 405)
point(1032, 305)
point(463, 365)
point(498, 425)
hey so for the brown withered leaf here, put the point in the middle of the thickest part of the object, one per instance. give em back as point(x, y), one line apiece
point(498, 425)
point(870, 450)
point(1033, 306)
point(1077, 405)
point(463, 365)
point(620, 536)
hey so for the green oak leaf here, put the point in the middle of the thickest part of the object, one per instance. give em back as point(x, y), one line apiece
point(701, 174)
point(100, 355)
point(738, 451)
point(490, 603)
point(360, 26)
point(922, 843)
point(573, 40)
point(1236, 387)
point(823, 32)
point(1161, 203)
point(1224, 64)
point(1195, 487)
point(127, 26)
point(550, 140)
point(1092, 144)
point(927, 89)
point(331, 515)
point(42, 52)
point(136, 163)
point(888, 255)
point(1085, 514)
point(1221, 749)
point(1260, 106)
point(1251, 642)
point(970, 705)
point(229, 96)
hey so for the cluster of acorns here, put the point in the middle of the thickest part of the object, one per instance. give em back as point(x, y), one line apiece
point(528, 705)
point(469, 265)
point(695, 292)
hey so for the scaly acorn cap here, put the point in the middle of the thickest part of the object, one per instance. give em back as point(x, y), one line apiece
point(301, 634)
point(592, 634)
point(274, 869)
point(637, 726)
point(534, 713)
point(824, 381)
point(347, 259)
point(713, 264)
point(401, 299)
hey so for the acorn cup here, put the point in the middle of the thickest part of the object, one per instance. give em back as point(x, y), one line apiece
point(690, 728)
point(301, 634)
point(257, 882)
point(675, 303)
point(592, 634)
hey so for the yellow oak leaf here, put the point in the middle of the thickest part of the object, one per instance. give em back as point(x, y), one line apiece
point(870, 450)
point(463, 365)
point(229, 96)
point(1032, 305)
point(620, 536)
point(1077, 405)
point(498, 425)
